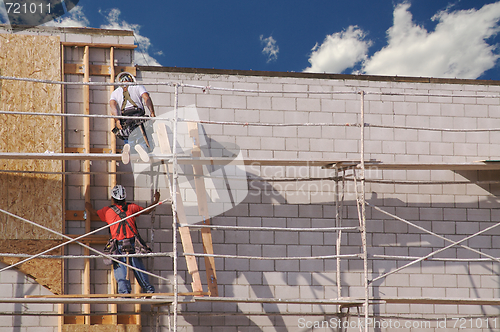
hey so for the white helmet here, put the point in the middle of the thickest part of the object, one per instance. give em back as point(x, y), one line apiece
point(125, 76)
point(118, 192)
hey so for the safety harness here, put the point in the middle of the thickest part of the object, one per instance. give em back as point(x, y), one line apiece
point(123, 223)
point(128, 125)
point(139, 246)
point(126, 97)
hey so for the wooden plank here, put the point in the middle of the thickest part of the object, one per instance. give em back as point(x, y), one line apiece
point(112, 169)
point(91, 239)
point(78, 215)
point(201, 193)
point(116, 295)
point(99, 45)
point(96, 70)
point(86, 177)
point(184, 232)
point(92, 150)
point(60, 307)
point(74, 319)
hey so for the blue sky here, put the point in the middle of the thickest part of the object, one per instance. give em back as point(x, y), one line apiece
point(431, 38)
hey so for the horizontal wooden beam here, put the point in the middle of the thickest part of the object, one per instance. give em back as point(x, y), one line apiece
point(99, 45)
point(101, 320)
point(92, 150)
point(95, 70)
point(94, 296)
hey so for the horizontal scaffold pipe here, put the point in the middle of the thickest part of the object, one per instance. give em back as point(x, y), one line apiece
point(206, 88)
point(277, 300)
point(471, 260)
point(285, 229)
point(274, 258)
point(153, 254)
point(60, 156)
point(82, 300)
point(253, 124)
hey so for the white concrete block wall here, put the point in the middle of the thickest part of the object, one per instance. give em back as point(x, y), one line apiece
point(454, 210)
point(34, 317)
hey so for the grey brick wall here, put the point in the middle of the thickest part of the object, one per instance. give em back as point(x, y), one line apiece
point(451, 210)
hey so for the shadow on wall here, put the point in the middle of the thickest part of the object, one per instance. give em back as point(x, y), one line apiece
point(260, 203)
point(15, 284)
point(386, 236)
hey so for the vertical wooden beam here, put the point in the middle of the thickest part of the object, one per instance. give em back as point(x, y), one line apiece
point(112, 137)
point(112, 168)
point(86, 177)
point(187, 242)
point(201, 194)
point(60, 320)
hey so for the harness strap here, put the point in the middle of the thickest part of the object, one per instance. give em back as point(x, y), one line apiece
point(126, 97)
point(124, 223)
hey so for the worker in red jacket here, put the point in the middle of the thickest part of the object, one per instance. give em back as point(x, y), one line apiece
point(125, 233)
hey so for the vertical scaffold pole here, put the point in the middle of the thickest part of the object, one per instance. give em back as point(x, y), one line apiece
point(174, 203)
point(339, 232)
point(363, 208)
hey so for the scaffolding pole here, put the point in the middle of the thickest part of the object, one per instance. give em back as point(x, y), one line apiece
point(363, 208)
point(174, 206)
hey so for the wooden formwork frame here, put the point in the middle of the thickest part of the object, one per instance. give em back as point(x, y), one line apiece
point(87, 70)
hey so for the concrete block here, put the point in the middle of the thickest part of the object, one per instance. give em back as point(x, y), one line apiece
point(308, 104)
point(444, 280)
point(236, 102)
point(428, 109)
point(296, 117)
point(311, 238)
point(283, 104)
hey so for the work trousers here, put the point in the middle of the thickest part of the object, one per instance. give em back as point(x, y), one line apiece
point(124, 286)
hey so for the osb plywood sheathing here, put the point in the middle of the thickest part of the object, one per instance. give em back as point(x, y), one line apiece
point(34, 197)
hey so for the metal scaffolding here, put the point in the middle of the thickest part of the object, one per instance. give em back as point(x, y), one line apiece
point(172, 161)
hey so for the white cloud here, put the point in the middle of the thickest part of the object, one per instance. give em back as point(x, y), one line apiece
point(270, 49)
point(456, 48)
point(75, 18)
point(141, 55)
point(4, 19)
point(339, 51)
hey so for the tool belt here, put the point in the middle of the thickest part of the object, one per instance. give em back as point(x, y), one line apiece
point(128, 125)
